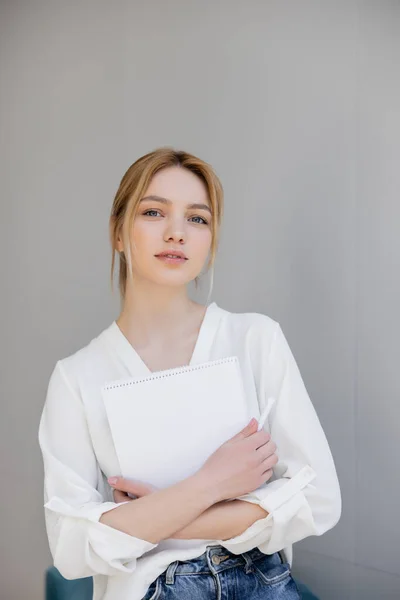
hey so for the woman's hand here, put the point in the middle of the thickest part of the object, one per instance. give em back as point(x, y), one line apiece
point(122, 486)
point(241, 464)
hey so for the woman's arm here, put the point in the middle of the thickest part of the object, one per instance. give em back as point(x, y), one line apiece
point(157, 516)
point(223, 520)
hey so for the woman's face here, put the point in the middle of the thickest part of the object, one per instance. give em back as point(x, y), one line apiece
point(172, 223)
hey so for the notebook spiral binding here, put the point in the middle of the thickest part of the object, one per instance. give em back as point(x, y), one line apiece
point(170, 372)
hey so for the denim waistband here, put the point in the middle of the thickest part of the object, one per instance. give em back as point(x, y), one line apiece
point(217, 558)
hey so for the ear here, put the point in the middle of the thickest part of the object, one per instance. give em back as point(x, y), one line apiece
point(119, 245)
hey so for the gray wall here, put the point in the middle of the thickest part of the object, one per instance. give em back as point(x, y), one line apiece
point(296, 104)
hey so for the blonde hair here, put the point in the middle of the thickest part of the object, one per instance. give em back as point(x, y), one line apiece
point(132, 188)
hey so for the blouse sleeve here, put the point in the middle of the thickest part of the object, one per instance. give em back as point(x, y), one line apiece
point(80, 544)
point(303, 498)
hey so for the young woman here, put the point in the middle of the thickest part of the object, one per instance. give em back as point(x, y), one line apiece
point(185, 540)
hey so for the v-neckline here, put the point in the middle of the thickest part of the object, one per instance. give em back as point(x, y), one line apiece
point(134, 361)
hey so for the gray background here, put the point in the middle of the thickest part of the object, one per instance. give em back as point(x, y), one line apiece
point(296, 104)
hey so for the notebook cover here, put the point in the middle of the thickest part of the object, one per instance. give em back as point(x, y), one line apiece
point(166, 425)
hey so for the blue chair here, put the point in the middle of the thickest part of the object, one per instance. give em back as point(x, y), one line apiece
point(59, 588)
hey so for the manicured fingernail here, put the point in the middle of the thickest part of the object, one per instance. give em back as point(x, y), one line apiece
point(112, 480)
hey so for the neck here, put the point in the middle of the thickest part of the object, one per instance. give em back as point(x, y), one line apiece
point(149, 314)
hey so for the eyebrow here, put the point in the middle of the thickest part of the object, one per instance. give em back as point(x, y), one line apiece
point(167, 201)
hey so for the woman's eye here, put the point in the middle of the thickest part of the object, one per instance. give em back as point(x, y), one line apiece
point(150, 211)
point(204, 221)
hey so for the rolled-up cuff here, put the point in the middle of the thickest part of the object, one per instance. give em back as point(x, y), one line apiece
point(272, 495)
point(107, 549)
point(282, 500)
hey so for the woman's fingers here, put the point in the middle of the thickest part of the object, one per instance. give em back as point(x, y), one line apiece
point(269, 462)
point(134, 487)
point(267, 455)
point(266, 450)
point(120, 496)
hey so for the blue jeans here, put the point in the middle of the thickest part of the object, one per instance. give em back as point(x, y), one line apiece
point(220, 575)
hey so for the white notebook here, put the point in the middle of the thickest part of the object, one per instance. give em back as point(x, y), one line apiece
point(166, 425)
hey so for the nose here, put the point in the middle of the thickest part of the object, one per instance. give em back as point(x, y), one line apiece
point(175, 231)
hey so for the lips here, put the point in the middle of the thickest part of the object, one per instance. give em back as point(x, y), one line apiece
point(172, 254)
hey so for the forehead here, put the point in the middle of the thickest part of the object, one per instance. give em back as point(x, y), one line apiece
point(179, 185)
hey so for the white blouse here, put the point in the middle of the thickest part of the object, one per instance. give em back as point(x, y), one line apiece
point(302, 498)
